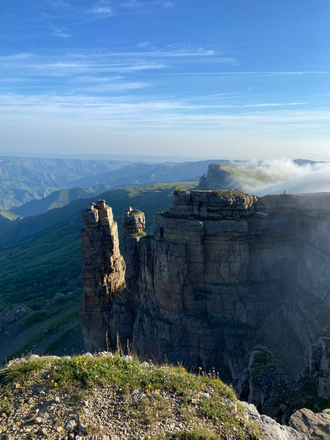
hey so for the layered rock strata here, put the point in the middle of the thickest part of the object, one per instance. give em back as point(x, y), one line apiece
point(223, 273)
point(103, 274)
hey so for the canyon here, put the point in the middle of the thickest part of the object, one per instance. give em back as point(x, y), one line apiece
point(228, 281)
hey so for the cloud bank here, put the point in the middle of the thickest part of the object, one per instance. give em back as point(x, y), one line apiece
point(277, 176)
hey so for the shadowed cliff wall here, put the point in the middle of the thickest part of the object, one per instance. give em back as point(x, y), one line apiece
point(224, 272)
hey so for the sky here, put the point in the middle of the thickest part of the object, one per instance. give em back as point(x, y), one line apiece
point(230, 79)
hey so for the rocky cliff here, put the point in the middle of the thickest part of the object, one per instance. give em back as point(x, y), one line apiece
point(103, 273)
point(217, 179)
point(224, 272)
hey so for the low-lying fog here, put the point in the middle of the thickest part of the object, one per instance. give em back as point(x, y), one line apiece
point(277, 176)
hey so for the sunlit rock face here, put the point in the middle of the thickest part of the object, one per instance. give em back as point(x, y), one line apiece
point(217, 178)
point(223, 273)
point(103, 273)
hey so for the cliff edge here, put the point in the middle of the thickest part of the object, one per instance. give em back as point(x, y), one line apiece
point(225, 272)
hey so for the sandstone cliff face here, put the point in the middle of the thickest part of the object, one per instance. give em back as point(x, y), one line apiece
point(224, 272)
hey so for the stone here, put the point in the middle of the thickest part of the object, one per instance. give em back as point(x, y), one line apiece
point(43, 431)
point(314, 426)
point(134, 222)
point(82, 428)
point(70, 425)
point(261, 215)
point(269, 427)
point(103, 274)
point(320, 365)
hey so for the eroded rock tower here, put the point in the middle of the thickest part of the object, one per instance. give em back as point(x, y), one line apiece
point(103, 273)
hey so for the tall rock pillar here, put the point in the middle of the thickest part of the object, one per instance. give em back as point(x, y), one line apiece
point(103, 274)
point(134, 223)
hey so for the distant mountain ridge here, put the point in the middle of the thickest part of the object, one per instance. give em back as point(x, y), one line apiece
point(57, 199)
point(142, 174)
point(23, 179)
point(135, 174)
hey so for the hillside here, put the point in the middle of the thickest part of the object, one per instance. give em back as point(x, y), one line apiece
point(23, 179)
point(41, 270)
point(6, 217)
point(143, 174)
point(57, 199)
point(93, 182)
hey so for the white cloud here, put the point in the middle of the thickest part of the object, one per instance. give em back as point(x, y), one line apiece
point(73, 64)
point(57, 32)
point(275, 176)
point(167, 4)
point(101, 10)
point(145, 44)
point(254, 73)
point(137, 112)
point(114, 87)
point(16, 57)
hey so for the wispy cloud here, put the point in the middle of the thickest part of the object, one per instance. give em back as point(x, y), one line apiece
point(129, 111)
point(60, 5)
point(130, 4)
point(16, 57)
point(144, 44)
point(167, 4)
point(101, 8)
point(290, 73)
point(76, 63)
point(61, 33)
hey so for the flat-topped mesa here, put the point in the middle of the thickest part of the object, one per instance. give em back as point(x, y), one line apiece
point(103, 273)
point(134, 223)
point(227, 204)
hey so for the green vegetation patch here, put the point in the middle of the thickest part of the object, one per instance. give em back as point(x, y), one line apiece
point(227, 193)
point(8, 215)
point(264, 362)
point(135, 212)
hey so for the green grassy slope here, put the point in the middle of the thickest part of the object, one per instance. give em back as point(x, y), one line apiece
point(8, 215)
point(119, 397)
point(45, 259)
point(6, 218)
point(57, 199)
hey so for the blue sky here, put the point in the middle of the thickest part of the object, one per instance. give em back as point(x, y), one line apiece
point(217, 79)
